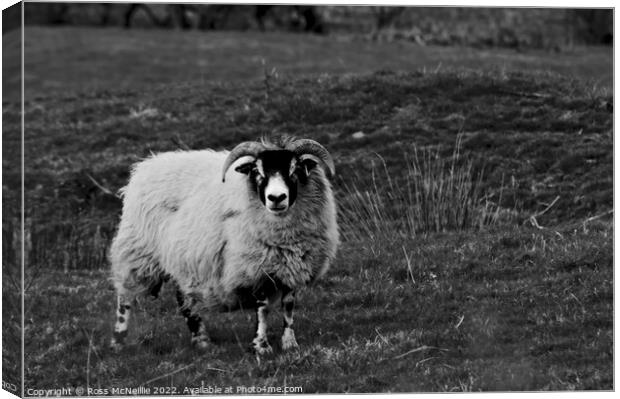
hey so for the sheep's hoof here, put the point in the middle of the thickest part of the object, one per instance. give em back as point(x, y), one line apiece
point(288, 341)
point(261, 347)
point(264, 351)
point(200, 343)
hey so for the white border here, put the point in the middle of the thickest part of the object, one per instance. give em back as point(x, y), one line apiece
point(452, 3)
point(428, 3)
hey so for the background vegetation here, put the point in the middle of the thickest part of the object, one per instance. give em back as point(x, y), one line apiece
point(548, 28)
point(475, 191)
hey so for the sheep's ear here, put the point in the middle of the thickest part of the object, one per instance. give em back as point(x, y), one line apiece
point(245, 168)
point(307, 163)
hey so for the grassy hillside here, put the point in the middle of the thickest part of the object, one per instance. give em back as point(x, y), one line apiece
point(66, 60)
point(517, 297)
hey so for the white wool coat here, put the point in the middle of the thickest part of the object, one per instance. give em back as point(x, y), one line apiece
point(180, 220)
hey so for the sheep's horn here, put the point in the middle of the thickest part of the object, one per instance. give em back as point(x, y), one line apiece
point(251, 148)
point(306, 146)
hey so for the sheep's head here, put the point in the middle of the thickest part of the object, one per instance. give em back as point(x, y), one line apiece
point(277, 171)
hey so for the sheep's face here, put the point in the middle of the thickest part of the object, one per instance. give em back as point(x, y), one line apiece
point(275, 176)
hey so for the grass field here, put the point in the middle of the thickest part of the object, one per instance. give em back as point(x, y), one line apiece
point(519, 300)
point(65, 60)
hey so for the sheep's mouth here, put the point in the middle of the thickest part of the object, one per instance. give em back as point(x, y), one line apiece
point(277, 209)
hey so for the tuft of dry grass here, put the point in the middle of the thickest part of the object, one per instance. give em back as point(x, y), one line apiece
point(71, 245)
point(433, 194)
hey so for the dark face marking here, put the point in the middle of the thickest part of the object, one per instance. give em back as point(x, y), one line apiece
point(121, 319)
point(272, 167)
point(272, 181)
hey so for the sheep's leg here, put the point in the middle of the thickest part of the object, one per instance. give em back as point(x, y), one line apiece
point(288, 336)
point(260, 343)
point(123, 312)
point(200, 339)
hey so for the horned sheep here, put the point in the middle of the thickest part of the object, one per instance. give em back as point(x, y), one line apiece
point(228, 240)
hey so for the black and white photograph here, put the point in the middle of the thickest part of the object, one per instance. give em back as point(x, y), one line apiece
point(224, 198)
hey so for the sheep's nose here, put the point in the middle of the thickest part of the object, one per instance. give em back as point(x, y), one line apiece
point(276, 199)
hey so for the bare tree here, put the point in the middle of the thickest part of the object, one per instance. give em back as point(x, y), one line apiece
point(46, 13)
point(133, 8)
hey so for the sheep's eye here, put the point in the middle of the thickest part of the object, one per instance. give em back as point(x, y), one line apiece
point(246, 168)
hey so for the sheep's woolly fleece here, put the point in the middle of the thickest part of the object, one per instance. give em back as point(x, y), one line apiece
point(212, 237)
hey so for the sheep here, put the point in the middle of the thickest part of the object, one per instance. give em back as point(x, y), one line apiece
point(231, 241)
